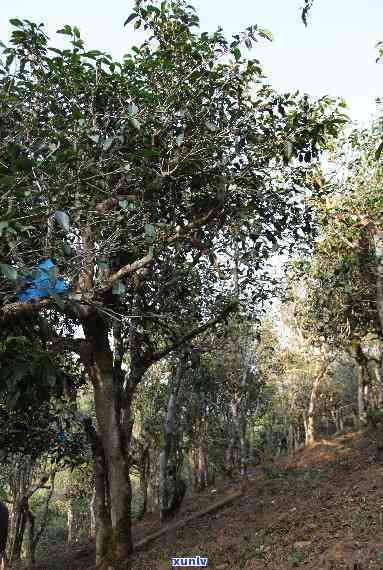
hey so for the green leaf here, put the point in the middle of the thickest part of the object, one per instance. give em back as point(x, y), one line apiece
point(92, 54)
point(62, 219)
point(237, 53)
point(66, 30)
point(9, 59)
point(8, 271)
point(130, 18)
point(16, 22)
point(266, 34)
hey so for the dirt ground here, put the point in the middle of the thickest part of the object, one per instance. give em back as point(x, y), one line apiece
point(321, 508)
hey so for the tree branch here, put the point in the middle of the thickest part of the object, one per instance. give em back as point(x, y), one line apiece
point(14, 310)
point(127, 270)
point(193, 333)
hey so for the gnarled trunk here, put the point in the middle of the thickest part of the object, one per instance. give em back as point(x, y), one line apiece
point(111, 448)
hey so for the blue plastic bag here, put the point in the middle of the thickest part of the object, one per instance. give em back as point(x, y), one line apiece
point(43, 283)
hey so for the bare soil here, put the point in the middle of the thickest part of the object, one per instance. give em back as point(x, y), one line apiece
point(320, 508)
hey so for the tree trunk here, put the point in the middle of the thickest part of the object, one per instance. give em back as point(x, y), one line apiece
point(229, 455)
point(239, 404)
point(243, 448)
point(368, 392)
point(339, 421)
point(19, 483)
point(4, 522)
point(30, 526)
point(381, 383)
point(203, 468)
point(310, 417)
point(113, 489)
point(167, 462)
point(193, 468)
point(36, 535)
point(70, 521)
point(154, 482)
point(298, 439)
point(92, 512)
point(361, 378)
point(144, 469)
point(378, 240)
point(113, 393)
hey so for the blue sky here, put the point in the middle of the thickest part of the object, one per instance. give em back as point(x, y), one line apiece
point(335, 55)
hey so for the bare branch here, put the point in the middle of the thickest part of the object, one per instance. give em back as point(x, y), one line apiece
point(128, 269)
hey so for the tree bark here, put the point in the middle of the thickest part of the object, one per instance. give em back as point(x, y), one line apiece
point(113, 394)
point(19, 483)
point(229, 455)
point(153, 483)
point(167, 462)
point(378, 240)
point(92, 512)
point(310, 417)
point(380, 379)
point(361, 379)
point(362, 408)
point(30, 526)
point(113, 488)
point(144, 470)
point(70, 521)
point(203, 467)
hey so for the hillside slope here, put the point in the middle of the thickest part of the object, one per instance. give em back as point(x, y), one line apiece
point(321, 508)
